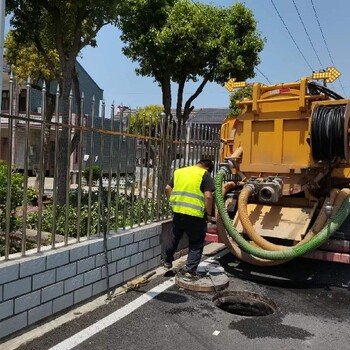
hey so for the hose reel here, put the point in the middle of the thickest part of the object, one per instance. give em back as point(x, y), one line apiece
point(329, 132)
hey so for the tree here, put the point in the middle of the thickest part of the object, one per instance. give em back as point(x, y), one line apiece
point(177, 41)
point(26, 61)
point(67, 26)
point(237, 96)
point(147, 121)
point(146, 118)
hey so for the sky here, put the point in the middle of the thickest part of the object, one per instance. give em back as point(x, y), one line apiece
point(287, 56)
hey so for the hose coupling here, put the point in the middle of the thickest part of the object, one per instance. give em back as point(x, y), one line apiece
point(253, 186)
point(328, 209)
point(227, 166)
point(269, 190)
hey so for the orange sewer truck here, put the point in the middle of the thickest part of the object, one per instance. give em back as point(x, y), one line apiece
point(283, 190)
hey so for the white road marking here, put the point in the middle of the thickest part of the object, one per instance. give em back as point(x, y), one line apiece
point(101, 325)
point(215, 249)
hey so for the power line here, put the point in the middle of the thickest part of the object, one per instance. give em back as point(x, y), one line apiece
point(261, 73)
point(307, 34)
point(324, 40)
point(323, 37)
point(290, 34)
point(194, 3)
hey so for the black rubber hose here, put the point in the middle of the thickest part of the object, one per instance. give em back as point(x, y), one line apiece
point(327, 132)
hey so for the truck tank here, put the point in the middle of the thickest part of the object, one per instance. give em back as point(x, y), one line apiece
point(282, 190)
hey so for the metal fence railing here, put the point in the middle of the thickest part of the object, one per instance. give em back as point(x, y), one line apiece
point(65, 182)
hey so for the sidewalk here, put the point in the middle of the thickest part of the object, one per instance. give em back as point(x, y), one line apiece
point(40, 330)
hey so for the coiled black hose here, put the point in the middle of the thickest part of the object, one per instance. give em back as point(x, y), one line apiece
point(327, 132)
point(316, 89)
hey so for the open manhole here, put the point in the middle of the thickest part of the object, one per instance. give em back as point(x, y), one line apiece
point(244, 303)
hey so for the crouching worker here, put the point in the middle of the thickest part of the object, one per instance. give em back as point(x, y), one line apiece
point(191, 199)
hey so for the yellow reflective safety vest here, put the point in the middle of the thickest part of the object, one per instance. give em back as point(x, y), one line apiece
point(187, 197)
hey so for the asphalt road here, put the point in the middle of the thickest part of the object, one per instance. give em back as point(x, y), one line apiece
point(312, 311)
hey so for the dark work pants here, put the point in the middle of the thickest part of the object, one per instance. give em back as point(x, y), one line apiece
point(195, 229)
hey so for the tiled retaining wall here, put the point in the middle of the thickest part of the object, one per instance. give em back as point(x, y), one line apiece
point(38, 286)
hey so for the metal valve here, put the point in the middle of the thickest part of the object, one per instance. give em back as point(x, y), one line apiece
point(328, 210)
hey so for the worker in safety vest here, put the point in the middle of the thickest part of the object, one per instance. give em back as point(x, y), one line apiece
point(190, 193)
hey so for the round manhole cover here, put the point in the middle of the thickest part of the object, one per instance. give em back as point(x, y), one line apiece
point(244, 303)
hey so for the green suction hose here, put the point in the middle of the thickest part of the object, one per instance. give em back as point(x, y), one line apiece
point(289, 253)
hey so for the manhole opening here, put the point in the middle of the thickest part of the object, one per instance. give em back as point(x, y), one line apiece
point(244, 303)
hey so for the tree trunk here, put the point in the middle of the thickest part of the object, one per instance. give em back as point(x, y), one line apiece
point(49, 111)
point(63, 160)
point(166, 93)
point(76, 87)
point(188, 108)
point(180, 92)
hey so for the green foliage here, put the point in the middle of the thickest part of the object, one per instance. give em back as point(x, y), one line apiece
point(176, 41)
point(96, 172)
point(48, 214)
point(15, 245)
point(26, 61)
point(67, 27)
point(147, 117)
point(131, 210)
point(237, 96)
point(16, 196)
point(48, 35)
point(32, 195)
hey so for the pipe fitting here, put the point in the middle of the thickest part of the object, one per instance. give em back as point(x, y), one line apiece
point(328, 209)
point(252, 185)
point(341, 209)
point(227, 166)
point(270, 190)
